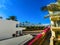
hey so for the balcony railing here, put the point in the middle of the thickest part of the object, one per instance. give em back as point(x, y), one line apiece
point(53, 7)
point(55, 28)
point(54, 18)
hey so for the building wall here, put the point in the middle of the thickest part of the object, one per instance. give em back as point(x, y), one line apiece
point(7, 28)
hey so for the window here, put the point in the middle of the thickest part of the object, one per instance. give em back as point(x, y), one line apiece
point(16, 25)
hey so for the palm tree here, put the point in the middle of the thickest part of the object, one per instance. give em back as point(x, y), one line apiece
point(39, 23)
point(44, 8)
point(1, 17)
point(23, 24)
point(12, 18)
point(27, 23)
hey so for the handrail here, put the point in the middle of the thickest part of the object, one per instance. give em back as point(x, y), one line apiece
point(35, 39)
point(40, 36)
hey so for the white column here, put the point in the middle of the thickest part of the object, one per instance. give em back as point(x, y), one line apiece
point(52, 37)
point(52, 23)
point(56, 24)
point(53, 33)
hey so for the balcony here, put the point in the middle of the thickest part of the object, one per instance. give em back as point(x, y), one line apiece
point(55, 18)
point(53, 7)
point(56, 28)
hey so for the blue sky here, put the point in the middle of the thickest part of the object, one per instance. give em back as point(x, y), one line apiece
point(25, 10)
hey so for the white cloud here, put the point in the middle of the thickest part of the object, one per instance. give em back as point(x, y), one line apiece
point(3, 6)
point(4, 3)
point(3, 15)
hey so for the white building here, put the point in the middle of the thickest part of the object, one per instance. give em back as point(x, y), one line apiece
point(8, 27)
